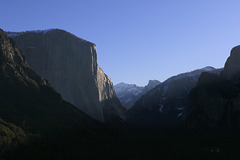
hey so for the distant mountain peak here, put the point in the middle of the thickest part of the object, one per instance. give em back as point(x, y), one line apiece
point(208, 68)
point(128, 94)
point(153, 83)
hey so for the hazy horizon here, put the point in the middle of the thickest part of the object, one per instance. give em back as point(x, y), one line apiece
point(138, 41)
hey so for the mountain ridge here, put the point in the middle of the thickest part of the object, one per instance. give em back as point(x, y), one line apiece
point(165, 104)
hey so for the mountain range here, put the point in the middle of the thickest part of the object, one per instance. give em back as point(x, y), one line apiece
point(165, 104)
point(128, 94)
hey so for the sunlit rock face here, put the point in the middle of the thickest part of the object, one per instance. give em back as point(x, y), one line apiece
point(215, 101)
point(70, 65)
point(112, 109)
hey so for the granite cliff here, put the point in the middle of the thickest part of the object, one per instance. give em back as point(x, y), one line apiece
point(35, 122)
point(70, 65)
point(29, 100)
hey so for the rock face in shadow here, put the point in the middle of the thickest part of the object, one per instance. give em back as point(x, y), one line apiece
point(164, 106)
point(70, 65)
point(215, 101)
point(231, 70)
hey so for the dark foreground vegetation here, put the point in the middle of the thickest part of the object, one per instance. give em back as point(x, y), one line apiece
point(148, 143)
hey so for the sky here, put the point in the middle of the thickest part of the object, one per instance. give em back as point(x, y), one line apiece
point(138, 40)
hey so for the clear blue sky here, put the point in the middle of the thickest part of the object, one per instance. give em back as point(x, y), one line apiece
point(138, 40)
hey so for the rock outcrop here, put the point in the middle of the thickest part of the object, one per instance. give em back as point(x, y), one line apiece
point(128, 94)
point(215, 101)
point(70, 65)
point(165, 105)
